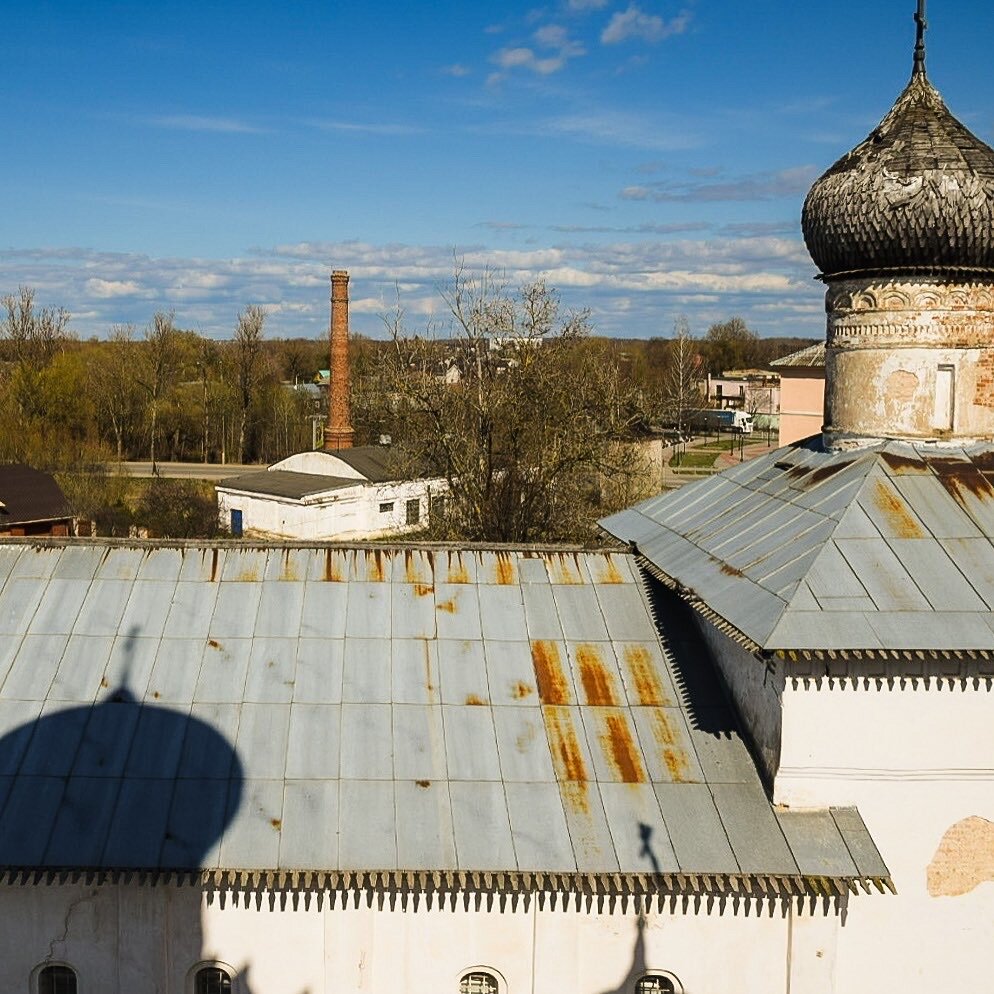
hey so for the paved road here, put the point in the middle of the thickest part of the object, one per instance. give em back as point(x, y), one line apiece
point(188, 470)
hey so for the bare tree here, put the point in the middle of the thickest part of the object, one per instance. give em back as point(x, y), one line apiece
point(247, 348)
point(682, 376)
point(115, 390)
point(34, 335)
point(160, 362)
point(527, 435)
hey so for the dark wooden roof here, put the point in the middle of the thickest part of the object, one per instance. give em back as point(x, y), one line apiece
point(283, 483)
point(917, 196)
point(29, 495)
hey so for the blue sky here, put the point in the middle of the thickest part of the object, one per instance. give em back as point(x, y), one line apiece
point(649, 158)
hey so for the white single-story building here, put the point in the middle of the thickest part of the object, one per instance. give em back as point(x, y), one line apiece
point(346, 494)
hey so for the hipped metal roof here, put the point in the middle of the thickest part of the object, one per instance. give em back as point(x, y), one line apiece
point(884, 548)
point(416, 712)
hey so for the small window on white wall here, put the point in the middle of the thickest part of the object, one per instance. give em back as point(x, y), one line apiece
point(212, 980)
point(657, 983)
point(56, 979)
point(478, 982)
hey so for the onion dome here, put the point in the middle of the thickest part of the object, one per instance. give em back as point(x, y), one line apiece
point(917, 196)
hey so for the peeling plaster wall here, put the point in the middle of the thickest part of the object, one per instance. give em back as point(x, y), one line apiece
point(917, 759)
point(885, 344)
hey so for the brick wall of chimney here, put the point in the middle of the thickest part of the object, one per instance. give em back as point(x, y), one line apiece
point(339, 433)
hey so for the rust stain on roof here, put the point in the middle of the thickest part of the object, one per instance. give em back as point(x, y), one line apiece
point(423, 589)
point(449, 606)
point(506, 573)
point(564, 745)
point(214, 644)
point(374, 564)
point(598, 682)
point(457, 572)
point(827, 472)
point(288, 571)
point(553, 687)
point(798, 472)
point(960, 478)
point(561, 570)
point(619, 747)
point(645, 678)
point(669, 745)
point(416, 574)
point(605, 570)
point(520, 690)
point(474, 701)
point(429, 679)
point(903, 465)
point(332, 573)
point(729, 570)
point(893, 508)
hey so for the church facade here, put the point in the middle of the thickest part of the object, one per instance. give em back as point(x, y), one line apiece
point(747, 748)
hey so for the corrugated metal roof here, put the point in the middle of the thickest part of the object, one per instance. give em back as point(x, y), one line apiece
point(358, 709)
point(810, 358)
point(888, 547)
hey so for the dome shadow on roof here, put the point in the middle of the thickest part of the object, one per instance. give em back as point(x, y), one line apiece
point(917, 196)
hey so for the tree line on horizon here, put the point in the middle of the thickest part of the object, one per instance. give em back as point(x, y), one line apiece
point(163, 393)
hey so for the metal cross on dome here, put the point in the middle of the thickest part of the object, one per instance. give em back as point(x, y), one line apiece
point(922, 24)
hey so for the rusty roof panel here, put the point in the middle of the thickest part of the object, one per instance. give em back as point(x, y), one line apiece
point(457, 611)
point(525, 730)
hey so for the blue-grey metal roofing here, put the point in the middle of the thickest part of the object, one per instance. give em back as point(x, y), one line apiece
point(884, 548)
point(371, 709)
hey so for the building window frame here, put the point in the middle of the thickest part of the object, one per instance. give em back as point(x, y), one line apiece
point(675, 986)
point(412, 511)
point(36, 974)
point(212, 964)
point(469, 971)
point(386, 506)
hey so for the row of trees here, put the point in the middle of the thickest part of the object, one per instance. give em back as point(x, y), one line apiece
point(162, 393)
point(537, 439)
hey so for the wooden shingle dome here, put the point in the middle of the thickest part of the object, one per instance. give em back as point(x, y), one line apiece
point(916, 197)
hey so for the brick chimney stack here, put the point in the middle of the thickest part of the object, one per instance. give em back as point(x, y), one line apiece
point(338, 434)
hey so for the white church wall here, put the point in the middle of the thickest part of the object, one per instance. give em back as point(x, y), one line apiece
point(755, 690)
point(127, 937)
point(917, 762)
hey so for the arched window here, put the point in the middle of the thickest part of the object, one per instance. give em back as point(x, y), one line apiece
point(56, 980)
point(478, 982)
point(656, 983)
point(212, 980)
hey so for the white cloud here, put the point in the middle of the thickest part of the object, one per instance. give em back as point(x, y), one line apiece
point(368, 127)
point(635, 23)
point(587, 4)
point(457, 69)
point(553, 37)
point(634, 286)
point(106, 289)
point(198, 122)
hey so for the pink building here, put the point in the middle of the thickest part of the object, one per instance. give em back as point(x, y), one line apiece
point(802, 393)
